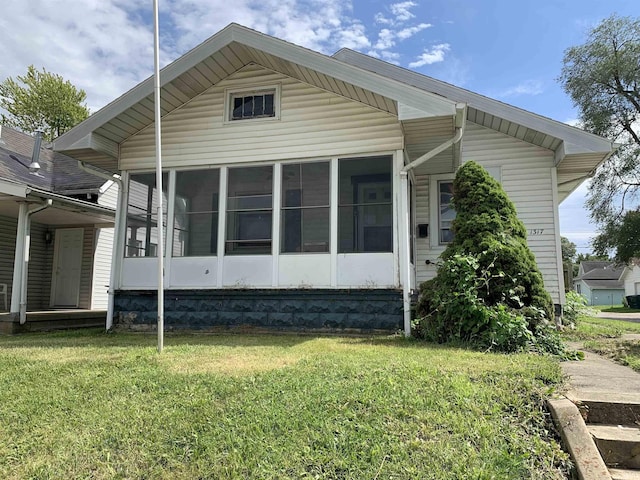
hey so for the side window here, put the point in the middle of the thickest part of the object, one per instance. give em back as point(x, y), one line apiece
point(305, 207)
point(195, 226)
point(365, 205)
point(446, 212)
point(249, 211)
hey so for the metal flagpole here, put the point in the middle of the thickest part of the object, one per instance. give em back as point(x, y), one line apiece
point(156, 47)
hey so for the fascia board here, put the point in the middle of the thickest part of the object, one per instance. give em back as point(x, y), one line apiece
point(13, 189)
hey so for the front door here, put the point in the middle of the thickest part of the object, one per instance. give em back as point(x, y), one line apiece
point(67, 265)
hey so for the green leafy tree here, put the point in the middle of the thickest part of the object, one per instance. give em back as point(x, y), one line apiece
point(42, 100)
point(488, 290)
point(602, 77)
point(568, 250)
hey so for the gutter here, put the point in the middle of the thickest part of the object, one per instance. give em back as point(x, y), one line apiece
point(113, 277)
point(460, 124)
point(25, 258)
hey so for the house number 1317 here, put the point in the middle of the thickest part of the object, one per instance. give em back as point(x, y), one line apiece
point(536, 231)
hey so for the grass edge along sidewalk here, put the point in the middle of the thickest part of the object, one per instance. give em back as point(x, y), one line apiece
point(95, 405)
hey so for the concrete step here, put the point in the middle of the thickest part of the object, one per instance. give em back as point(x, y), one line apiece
point(610, 411)
point(619, 445)
point(624, 474)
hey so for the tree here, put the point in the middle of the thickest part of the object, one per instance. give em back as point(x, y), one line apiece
point(602, 77)
point(488, 289)
point(44, 101)
point(568, 250)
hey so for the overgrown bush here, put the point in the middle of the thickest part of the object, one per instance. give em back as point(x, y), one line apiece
point(575, 305)
point(488, 290)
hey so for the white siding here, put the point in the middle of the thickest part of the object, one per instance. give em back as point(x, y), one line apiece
point(313, 123)
point(103, 247)
point(632, 281)
point(527, 177)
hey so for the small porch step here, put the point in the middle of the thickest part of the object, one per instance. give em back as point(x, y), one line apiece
point(619, 445)
point(624, 474)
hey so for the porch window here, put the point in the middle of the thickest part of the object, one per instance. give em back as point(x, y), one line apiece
point(195, 228)
point(365, 206)
point(446, 211)
point(305, 207)
point(142, 214)
point(249, 211)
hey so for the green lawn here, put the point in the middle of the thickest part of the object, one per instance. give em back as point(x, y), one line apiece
point(107, 406)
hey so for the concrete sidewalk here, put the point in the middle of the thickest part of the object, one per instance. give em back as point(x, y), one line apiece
point(628, 317)
point(606, 396)
point(598, 378)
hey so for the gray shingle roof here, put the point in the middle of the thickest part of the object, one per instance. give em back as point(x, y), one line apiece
point(58, 173)
point(604, 284)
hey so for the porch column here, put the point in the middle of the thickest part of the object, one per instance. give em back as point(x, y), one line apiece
point(18, 261)
point(404, 226)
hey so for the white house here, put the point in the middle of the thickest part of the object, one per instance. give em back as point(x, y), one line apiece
point(310, 191)
point(56, 237)
point(631, 279)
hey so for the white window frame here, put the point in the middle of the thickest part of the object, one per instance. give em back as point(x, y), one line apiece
point(434, 209)
point(231, 93)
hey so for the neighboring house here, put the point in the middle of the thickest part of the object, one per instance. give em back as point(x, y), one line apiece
point(309, 191)
point(600, 282)
point(631, 279)
point(56, 232)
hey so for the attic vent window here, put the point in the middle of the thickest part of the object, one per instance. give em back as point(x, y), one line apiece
point(253, 104)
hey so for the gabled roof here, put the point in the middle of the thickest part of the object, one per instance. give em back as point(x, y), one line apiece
point(349, 74)
point(58, 173)
point(96, 139)
point(578, 153)
point(600, 270)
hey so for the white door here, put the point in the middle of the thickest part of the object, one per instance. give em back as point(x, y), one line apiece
point(67, 264)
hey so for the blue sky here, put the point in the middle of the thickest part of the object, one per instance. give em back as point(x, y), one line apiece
point(505, 49)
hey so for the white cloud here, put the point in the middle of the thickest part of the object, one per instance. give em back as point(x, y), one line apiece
point(411, 31)
point(528, 87)
point(401, 10)
point(433, 55)
point(385, 39)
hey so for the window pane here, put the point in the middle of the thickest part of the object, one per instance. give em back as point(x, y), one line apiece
point(248, 106)
point(237, 108)
point(142, 214)
point(305, 230)
point(366, 228)
point(365, 213)
point(268, 105)
point(305, 185)
point(446, 211)
point(249, 205)
point(353, 173)
point(196, 212)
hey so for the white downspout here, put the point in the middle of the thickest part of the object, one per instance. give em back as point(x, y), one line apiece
point(460, 122)
point(116, 235)
point(25, 258)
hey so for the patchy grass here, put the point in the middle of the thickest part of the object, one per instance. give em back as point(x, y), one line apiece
point(603, 336)
point(589, 328)
point(624, 352)
point(107, 406)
